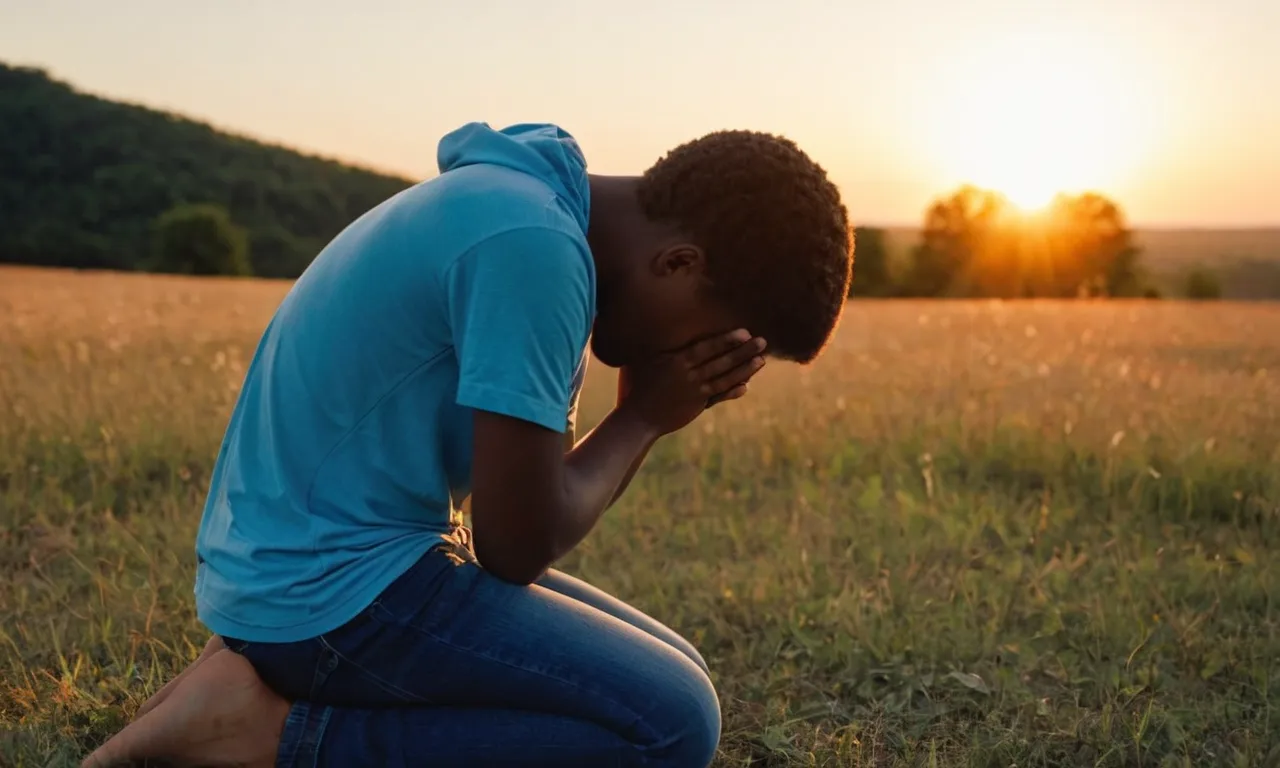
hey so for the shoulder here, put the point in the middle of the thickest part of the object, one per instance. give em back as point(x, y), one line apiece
point(468, 214)
point(496, 199)
point(529, 258)
point(476, 211)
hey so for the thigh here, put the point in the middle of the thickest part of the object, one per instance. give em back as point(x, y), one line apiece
point(460, 637)
point(558, 581)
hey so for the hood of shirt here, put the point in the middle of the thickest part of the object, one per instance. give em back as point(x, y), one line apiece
point(542, 150)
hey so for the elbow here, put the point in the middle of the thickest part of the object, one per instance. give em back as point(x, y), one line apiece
point(519, 560)
point(520, 574)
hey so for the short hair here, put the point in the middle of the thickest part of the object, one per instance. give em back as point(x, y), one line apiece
point(776, 235)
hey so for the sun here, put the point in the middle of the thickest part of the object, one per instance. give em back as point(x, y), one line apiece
point(1034, 116)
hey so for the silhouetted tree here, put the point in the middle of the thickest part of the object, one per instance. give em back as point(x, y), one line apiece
point(199, 240)
point(960, 232)
point(1088, 249)
point(975, 243)
point(870, 264)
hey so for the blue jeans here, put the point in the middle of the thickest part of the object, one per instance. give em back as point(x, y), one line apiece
point(452, 666)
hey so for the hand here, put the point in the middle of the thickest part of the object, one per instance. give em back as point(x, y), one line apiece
point(671, 390)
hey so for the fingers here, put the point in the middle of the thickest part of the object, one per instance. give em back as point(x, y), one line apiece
point(734, 377)
point(708, 349)
point(732, 394)
point(726, 363)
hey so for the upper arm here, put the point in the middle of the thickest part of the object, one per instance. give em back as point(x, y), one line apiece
point(579, 378)
point(520, 308)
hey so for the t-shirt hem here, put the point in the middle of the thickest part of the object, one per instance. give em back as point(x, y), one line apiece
point(221, 623)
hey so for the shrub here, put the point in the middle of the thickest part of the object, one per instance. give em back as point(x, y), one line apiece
point(199, 240)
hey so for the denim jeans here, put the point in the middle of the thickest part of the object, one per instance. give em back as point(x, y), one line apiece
point(452, 666)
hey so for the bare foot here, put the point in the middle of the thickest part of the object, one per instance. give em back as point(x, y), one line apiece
point(220, 714)
point(214, 645)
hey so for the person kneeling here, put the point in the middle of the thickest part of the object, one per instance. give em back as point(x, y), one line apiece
point(435, 350)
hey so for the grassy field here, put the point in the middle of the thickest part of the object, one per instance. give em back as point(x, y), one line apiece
point(976, 534)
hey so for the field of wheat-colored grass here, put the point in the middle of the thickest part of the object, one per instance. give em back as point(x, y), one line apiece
point(970, 534)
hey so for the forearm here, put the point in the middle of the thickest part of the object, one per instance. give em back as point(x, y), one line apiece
point(624, 389)
point(631, 473)
point(596, 472)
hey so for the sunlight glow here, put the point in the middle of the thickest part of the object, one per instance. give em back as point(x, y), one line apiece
point(1039, 116)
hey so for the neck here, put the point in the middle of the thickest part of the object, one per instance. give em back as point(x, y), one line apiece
point(615, 228)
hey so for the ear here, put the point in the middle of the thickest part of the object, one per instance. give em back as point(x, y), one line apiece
point(681, 258)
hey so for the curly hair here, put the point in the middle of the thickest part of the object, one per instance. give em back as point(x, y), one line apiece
point(772, 226)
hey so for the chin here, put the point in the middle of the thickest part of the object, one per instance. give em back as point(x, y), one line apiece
point(607, 353)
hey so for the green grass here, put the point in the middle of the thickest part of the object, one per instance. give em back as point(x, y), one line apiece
point(881, 569)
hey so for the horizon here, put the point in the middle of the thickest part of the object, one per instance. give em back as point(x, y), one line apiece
point(1159, 106)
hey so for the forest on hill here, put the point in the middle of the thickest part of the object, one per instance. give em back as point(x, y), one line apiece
point(83, 181)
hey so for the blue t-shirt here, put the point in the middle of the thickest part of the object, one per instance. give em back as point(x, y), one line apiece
point(348, 452)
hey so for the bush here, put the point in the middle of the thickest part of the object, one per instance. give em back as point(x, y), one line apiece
point(199, 240)
point(1203, 285)
point(870, 264)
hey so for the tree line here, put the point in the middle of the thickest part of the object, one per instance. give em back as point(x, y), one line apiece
point(975, 243)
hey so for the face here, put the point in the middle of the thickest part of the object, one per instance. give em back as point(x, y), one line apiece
point(662, 305)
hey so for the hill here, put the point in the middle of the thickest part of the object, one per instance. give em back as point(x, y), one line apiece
point(82, 178)
point(1247, 260)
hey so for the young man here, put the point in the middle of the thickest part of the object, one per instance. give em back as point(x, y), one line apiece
point(436, 349)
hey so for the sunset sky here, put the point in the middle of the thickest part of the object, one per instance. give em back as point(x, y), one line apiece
point(1170, 106)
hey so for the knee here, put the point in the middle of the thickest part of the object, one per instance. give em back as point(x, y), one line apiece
point(690, 730)
point(701, 662)
point(686, 647)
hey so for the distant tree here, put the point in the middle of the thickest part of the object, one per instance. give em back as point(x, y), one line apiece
point(870, 264)
point(1087, 249)
point(1203, 285)
point(975, 243)
point(199, 240)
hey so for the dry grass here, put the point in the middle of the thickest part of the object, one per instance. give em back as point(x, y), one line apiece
point(973, 533)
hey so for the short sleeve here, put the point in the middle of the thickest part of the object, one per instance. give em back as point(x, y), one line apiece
point(520, 314)
point(575, 392)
